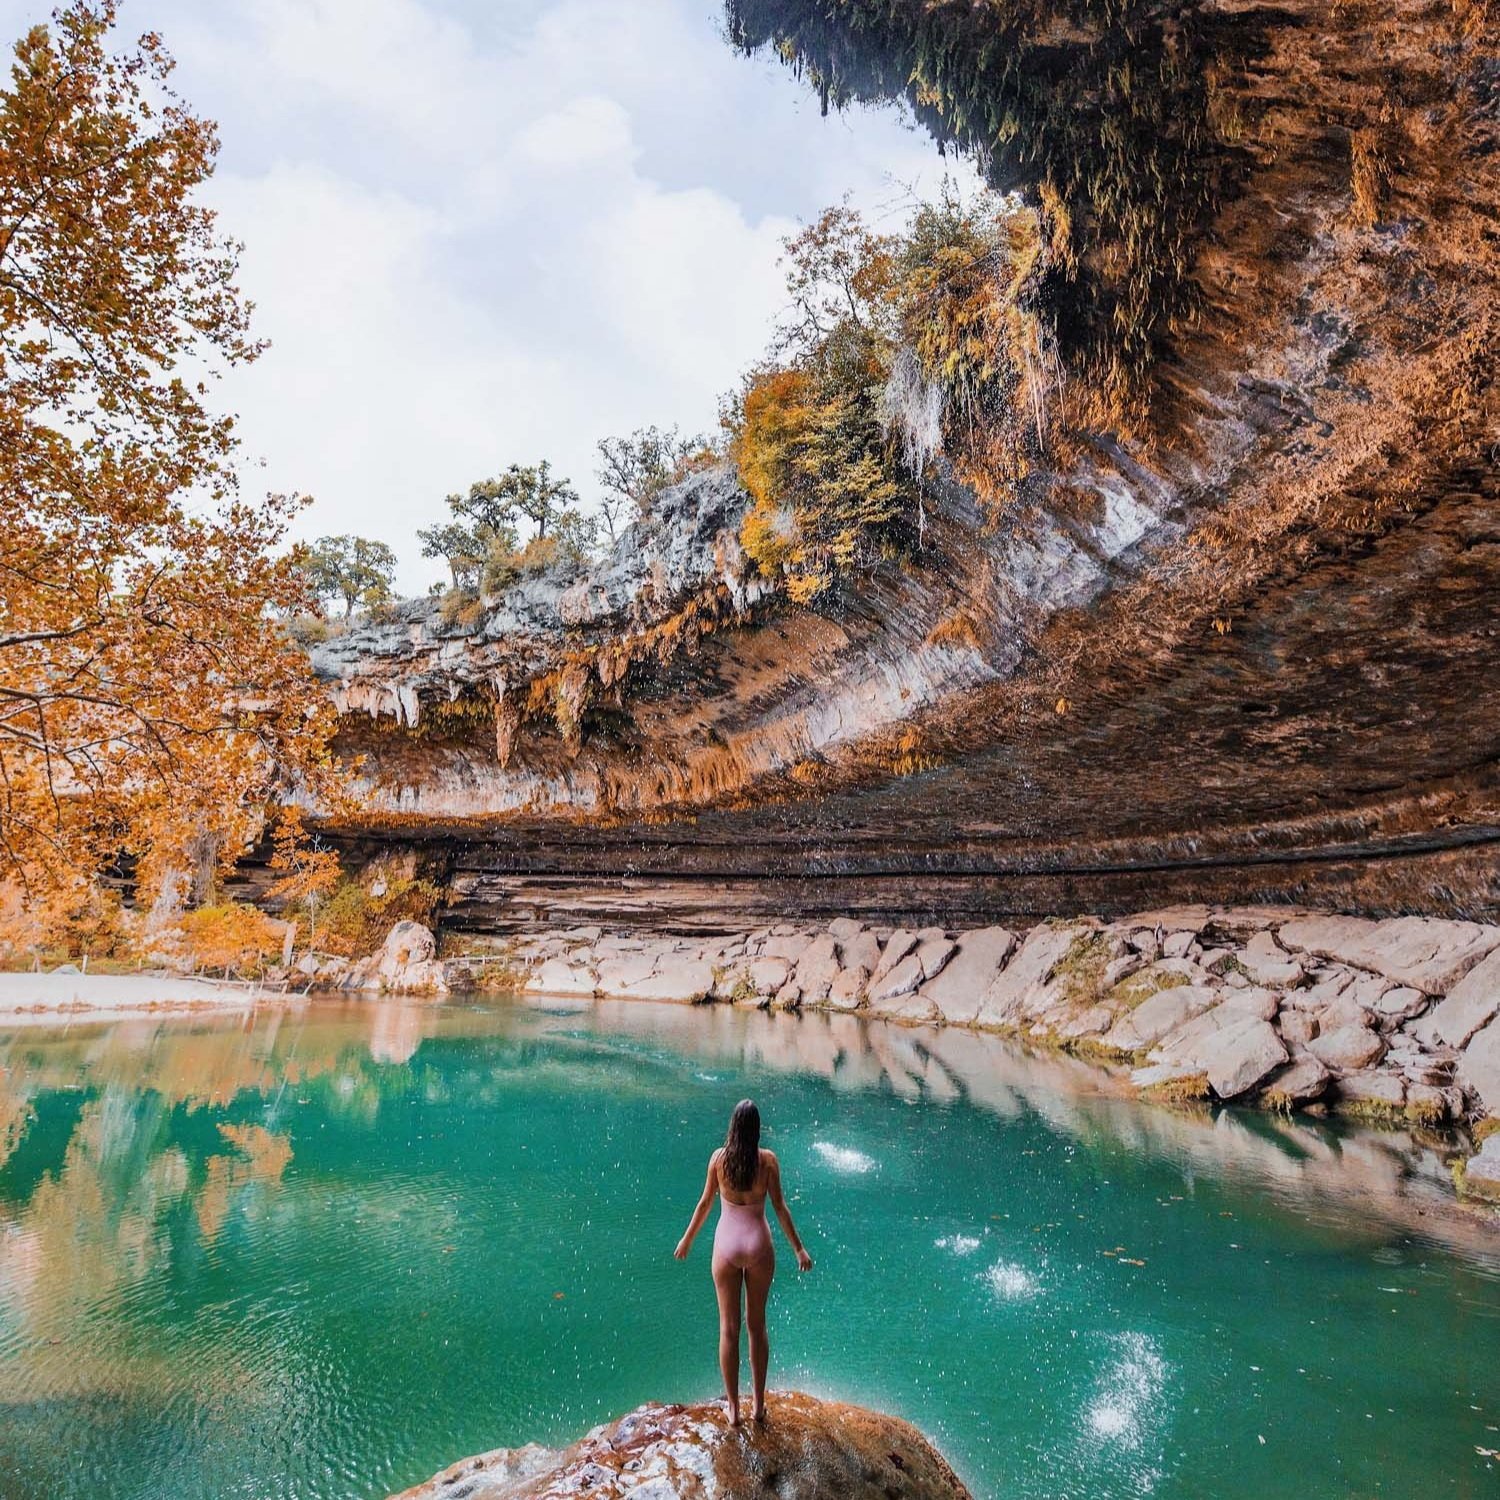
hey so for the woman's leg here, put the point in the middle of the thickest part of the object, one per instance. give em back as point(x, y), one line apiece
point(757, 1290)
point(728, 1279)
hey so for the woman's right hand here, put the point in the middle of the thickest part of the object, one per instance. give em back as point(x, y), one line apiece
point(804, 1261)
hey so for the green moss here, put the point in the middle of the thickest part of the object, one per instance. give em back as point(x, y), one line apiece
point(1082, 967)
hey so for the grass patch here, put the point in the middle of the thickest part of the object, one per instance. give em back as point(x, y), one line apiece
point(1135, 989)
point(1192, 1089)
point(1485, 1128)
point(1082, 967)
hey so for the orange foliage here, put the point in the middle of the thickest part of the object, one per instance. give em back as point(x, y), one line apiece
point(233, 938)
point(148, 702)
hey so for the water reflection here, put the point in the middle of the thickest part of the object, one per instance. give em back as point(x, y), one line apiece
point(319, 1251)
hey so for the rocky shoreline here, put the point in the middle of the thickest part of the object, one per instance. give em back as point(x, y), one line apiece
point(1395, 1021)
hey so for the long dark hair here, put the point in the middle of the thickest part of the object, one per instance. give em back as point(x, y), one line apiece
point(740, 1163)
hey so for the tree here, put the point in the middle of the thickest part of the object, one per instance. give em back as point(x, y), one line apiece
point(532, 493)
point(351, 568)
point(634, 470)
point(460, 546)
point(148, 700)
point(482, 544)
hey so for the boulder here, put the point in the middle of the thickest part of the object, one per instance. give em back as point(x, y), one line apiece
point(1347, 1049)
point(616, 975)
point(1297, 1028)
point(845, 928)
point(407, 963)
point(862, 951)
point(817, 968)
point(1241, 1056)
point(934, 953)
point(1371, 1086)
point(1021, 986)
point(679, 978)
point(901, 980)
point(1300, 1082)
point(788, 997)
point(558, 977)
point(788, 945)
point(1234, 1049)
point(1397, 1005)
point(959, 991)
point(1159, 1014)
point(1479, 1067)
point(1268, 963)
point(1253, 1001)
point(848, 990)
point(767, 975)
point(1428, 953)
point(897, 946)
point(913, 1008)
point(806, 1450)
point(1471, 1004)
point(1481, 1175)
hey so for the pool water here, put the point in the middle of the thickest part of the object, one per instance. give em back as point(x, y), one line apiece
point(325, 1252)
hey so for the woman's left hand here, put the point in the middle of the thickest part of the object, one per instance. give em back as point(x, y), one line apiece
point(683, 1246)
point(804, 1261)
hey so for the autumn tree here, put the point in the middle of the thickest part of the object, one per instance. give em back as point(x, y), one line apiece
point(524, 520)
point(634, 470)
point(354, 569)
point(149, 704)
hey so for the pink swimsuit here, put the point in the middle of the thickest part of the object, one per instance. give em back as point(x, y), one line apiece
point(742, 1237)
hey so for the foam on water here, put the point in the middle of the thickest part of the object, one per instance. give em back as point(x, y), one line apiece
point(845, 1158)
point(1011, 1282)
point(959, 1244)
point(1128, 1394)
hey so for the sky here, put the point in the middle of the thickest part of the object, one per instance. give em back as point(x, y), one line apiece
point(483, 232)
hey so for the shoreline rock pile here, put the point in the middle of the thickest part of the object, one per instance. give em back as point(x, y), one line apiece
point(1395, 1019)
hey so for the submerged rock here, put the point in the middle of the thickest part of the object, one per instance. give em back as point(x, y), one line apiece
point(806, 1450)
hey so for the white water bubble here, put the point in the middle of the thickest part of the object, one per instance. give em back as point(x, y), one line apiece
point(959, 1244)
point(1011, 1282)
point(1129, 1393)
point(845, 1158)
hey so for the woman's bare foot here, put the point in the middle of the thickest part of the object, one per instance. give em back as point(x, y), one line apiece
point(758, 1415)
point(732, 1408)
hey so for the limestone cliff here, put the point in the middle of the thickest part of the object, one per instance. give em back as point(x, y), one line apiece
point(1237, 641)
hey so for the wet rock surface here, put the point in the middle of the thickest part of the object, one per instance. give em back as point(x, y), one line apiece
point(806, 1450)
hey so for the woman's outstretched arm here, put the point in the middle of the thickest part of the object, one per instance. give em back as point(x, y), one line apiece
point(784, 1214)
point(701, 1212)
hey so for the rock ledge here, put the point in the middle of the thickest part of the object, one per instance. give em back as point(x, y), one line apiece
point(807, 1450)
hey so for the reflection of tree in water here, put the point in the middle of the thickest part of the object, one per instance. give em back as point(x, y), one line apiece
point(1112, 119)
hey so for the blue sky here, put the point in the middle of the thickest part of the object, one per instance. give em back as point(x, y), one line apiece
point(483, 233)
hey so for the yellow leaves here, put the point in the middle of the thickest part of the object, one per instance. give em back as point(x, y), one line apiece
point(231, 937)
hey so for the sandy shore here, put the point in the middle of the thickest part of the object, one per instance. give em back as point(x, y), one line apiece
point(50, 997)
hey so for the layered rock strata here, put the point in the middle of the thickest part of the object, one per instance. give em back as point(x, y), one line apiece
point(1238, 648)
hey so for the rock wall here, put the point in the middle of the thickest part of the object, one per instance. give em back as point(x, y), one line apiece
point(1238, 648)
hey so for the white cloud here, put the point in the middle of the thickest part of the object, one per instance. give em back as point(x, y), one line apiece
point(485, 231)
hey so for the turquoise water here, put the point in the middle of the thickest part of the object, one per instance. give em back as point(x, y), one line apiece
point(324, 1253)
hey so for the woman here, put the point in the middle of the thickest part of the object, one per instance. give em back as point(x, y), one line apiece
point(744, 1176)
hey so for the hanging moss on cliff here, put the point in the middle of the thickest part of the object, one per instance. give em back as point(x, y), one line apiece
point(1107, 116)
point(907, 360)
